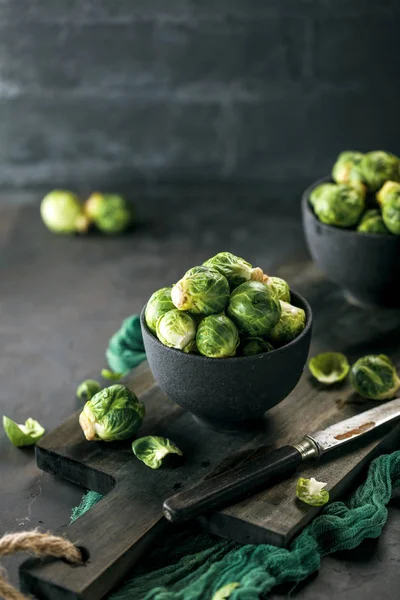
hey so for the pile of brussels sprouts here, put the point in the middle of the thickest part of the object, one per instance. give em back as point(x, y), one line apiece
point(365, 195)
point(63, 212)
point(224, 308)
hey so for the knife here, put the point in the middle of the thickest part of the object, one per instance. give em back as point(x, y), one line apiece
point(254, 475)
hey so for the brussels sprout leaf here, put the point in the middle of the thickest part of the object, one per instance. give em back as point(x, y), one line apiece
point(23, 435)
point(311, 491)
point(152, 450)
point(329, 367)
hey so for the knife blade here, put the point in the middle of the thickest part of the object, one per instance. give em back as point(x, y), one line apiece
point(254, 475)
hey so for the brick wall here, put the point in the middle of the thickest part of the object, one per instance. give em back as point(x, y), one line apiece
point(109, 92)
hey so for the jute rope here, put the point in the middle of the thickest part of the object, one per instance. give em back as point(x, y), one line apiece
point(34, 542)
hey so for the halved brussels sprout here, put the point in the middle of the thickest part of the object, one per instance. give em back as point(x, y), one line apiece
point(291, 323)
point(377, 167)
point(235, 269)
point(225, 592)
point(372, 222)
point(329, 367)
point(25, 434)
point(253, 308)
point(62, 212)
point(347, 167)
point(374, 376)
point(152, 450)
point(338, 205)
point(217, 337)
point(254, 345)
point(176, 329)
point(311, 491)
point(159, 303)
point(202, 290)
point(109, 212)
point(87, 389)
point(112, 414)
point(279, 288)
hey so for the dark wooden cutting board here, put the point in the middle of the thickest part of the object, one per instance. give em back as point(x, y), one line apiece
point(117, 531)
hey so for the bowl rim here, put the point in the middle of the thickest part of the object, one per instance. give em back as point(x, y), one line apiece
point(201, 358)
point(340, 230)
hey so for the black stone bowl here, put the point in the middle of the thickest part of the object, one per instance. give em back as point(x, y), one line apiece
point(366, 265)
point(229, 393)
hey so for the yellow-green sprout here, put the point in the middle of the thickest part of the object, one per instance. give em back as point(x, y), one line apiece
point(217, 337)
point(176, 329)
point(201, 291)
point(87, 389)
point(279, 288)
point(389, 190)
point(23, 434)
point(112, 414)
point(159, 303)
point(339, 205)
point(311, 491)
point(254, 309)
point(379, 166)
point(329, 367)
point(347, 167)
point(109, 212)
point(374, 376)
point(235, 269)
point(62, 212)
point(391, 214)
point(154, 450)
point(372, 222)
point(291, 323)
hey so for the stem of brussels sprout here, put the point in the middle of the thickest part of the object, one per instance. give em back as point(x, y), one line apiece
point(178, 296)
point(87, 427)
point(257, 274)
point(82, 223)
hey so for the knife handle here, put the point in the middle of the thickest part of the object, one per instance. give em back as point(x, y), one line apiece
point(232, 485)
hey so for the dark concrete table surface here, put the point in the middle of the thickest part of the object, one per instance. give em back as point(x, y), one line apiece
point(61, 299)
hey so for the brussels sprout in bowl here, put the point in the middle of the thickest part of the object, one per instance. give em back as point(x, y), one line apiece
point(365, 262)
point(233, 392)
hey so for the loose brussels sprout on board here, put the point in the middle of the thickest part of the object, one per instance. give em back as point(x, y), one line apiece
point(329, 367)
point(159, 303)
point(152, 450)
point(226, 591)
point(176, 329)
point(109, 212)
point(62, 212)
point(87, 389)
point(339, 205)
point(311, 491)
point(217, 337)
point(347, 167)
point(201, 291)
point(374, 376)
point(25, 434)
point(112, 414)
point(291, 323)
point(235, 269)
point(279, 288)
point(254, 345)
point(377, 167)
point(372, 222)
point(253, 308)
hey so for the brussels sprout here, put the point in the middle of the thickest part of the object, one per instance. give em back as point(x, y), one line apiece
point(377, 167)
point(112, 414)
point(372, 222)
point(87, 389)
point(225, 592)
point(109, 212)
point(62, 212)
point(329, 367)
point(279, 288)
point(389, 190)
point(391, 213)
point(311, 491)
point(217, 337)
point(159, 303)
point(152, 450)
point(202, 290)
point(111, 375)
point(23, 435)
point(347, 167)
point(320, 191)
point(253, 308)
point(235, 269)
point(339, 205)
point(176, 329)
point(255, 345)
point(374, 376)
point(289, 326)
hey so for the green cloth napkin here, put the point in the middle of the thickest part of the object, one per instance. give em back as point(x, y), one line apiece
point(125, 349)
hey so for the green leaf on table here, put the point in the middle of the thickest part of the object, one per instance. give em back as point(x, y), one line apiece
point(23, 435)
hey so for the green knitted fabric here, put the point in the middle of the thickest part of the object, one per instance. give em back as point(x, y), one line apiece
point(193, 566)
point(125, 349)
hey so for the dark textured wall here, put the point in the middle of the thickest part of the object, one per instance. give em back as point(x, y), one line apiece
point(108, 92)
